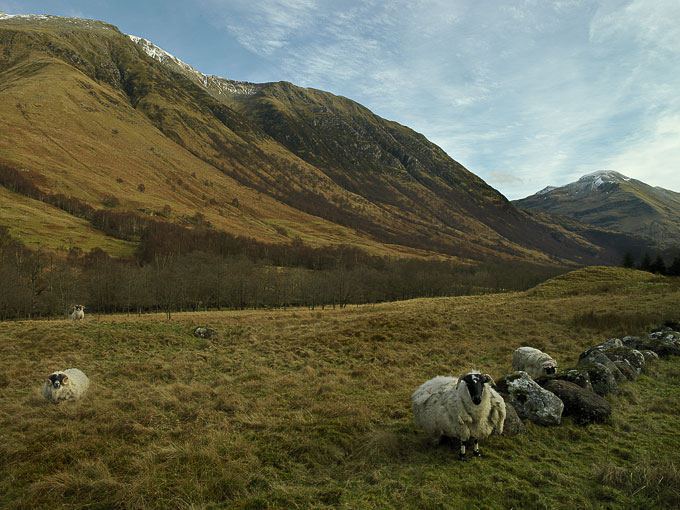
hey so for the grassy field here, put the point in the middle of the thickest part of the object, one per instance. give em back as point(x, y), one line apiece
point(311, 409)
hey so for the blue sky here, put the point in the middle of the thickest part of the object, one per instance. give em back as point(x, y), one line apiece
point(524, 93)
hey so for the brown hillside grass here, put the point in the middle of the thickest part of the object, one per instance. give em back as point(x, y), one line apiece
point(86, 141)
point(311, 409)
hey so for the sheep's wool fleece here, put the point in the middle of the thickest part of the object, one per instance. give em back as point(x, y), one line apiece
point(530, 360)
point(74, 388)
point(441, 409)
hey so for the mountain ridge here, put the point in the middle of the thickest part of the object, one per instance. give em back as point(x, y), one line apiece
point(94, 115)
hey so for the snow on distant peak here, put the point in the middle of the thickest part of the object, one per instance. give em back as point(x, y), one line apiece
point(210, 82)
point(545, 190)
point(604, 176)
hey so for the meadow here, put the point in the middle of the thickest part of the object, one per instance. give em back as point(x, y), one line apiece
point(299, 408)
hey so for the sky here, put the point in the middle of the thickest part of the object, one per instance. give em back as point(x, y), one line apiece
point(523, 93)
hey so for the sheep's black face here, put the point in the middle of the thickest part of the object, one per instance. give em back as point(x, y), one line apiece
point(79, 308)
point(57, 380)
point(475, 385)
point(550, 370)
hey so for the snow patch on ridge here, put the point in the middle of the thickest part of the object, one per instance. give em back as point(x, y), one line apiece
point(49, 17)
point(209, 81)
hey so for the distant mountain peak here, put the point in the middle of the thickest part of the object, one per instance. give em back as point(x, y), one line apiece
point(602, 176)
point(609, 199)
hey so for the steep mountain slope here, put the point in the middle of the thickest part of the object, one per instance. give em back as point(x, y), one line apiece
point(118, 124)
point(611, 200)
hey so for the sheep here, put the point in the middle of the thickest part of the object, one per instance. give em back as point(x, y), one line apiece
point(78, 313)
point(533, 362)
point(69, 385)
point(466, 408)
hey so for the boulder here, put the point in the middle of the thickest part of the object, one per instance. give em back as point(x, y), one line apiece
point(513, 425)
point(632, 356)
point(662, 342)
point(530, 400)
point(593, 355)
point(601, 378)
point(574, 375)
point(201, 332)
point(583, 405)
point(625, 368)
point(649, 355)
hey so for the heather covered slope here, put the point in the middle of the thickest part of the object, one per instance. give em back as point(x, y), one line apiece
point(89, 113)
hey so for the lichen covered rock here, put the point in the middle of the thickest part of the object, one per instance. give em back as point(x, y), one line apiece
point(530, 400)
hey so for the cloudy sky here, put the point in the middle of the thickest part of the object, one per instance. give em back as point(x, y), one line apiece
point(524, 93)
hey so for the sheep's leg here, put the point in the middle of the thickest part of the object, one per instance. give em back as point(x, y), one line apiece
point(475, 448)
point(461, 456)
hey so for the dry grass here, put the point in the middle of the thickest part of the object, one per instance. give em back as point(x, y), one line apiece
point(311, 409)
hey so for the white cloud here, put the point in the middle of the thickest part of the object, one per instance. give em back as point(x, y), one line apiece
point(524, 93)
point(654, 156)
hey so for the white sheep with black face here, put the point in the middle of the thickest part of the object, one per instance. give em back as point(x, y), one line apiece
point(78, 313)
point(66, 386)
point(466, 408)
point(533, 361)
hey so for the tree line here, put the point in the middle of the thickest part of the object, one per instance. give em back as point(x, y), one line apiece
point(37, 284)
point(658, 265)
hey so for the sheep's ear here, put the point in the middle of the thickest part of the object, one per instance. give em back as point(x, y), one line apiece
point(460, 380)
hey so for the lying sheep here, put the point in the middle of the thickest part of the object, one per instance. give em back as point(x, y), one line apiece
point(466, 408)
point(533, 362)
point(69, 385)
point(78, 313)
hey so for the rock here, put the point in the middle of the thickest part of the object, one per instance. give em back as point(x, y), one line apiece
point(601, 378)
point(649, 355)
point(583, 405)
point(630, 341)
point(625, 368)
point(202, 332)
point(662, 343)
point(593, 355)
point(513, 425)
point(530, 400)
point(634, 357)
point(612, 343)
point(574, 375)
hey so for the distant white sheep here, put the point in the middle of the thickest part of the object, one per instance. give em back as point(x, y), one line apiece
point(78, 313)
point(466, 408)
point(69, 385)
point(534, 362)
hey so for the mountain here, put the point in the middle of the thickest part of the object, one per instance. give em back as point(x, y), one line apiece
point(611, 200)
point(104, 126)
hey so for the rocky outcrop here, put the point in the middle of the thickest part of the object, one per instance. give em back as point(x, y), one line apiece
point(202, 332)
point(577, 376)
point(530, 400)
point(583, 405)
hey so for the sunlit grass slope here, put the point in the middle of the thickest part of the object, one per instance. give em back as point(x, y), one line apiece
point(311, 409)
point(42, 226)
